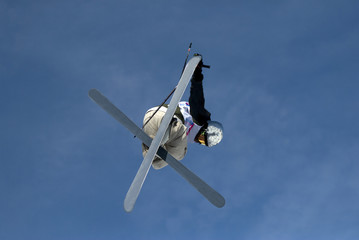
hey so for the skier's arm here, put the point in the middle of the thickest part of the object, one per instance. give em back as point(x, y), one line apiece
point(196, 99)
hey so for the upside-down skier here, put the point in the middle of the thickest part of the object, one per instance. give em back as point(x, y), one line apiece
point(171, 130)
point(190, 123)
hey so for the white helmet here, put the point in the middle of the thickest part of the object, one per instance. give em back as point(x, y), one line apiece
point(214, 133)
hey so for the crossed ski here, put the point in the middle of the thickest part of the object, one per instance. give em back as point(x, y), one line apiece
point(135, 188)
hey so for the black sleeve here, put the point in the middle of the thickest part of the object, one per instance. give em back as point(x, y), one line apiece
point(196, 101)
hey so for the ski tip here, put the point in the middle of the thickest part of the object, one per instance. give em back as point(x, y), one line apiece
point(221, 203)
point(92, 92)
point(129, 202)
point(218, 201)
point(128, 207)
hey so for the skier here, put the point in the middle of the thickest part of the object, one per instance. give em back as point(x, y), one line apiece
point(190, 123)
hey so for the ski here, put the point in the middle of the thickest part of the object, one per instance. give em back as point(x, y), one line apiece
point(142, 172)
point(208, 192)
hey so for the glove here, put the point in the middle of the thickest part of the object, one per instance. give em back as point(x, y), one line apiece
point(197, 75)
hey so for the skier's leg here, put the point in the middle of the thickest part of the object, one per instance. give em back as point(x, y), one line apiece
point(151, 129)
point(176, 145)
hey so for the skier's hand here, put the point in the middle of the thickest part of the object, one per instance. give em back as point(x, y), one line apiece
point(200, 64)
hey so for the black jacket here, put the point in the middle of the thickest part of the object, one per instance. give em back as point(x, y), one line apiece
point(196, 100)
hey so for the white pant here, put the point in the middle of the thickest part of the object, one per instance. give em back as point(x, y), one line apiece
point(176, 145)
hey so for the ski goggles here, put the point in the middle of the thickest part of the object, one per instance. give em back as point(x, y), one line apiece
point(202, 137)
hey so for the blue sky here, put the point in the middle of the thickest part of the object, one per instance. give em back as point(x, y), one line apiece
point(283, 82)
